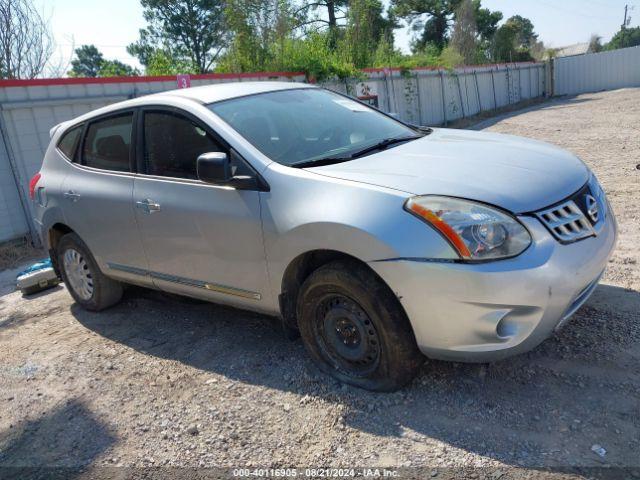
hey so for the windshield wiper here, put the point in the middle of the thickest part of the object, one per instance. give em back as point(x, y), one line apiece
point(381, 145)
point(318, 162)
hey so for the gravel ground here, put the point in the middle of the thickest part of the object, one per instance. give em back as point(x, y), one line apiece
point(160, 380)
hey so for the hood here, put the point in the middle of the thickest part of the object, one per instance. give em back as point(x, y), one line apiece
point(517, 174)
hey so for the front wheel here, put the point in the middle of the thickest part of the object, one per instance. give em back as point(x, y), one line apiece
point(355, 328)
point(88, 286)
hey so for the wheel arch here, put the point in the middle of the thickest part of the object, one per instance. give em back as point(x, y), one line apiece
point(299, 269)
point(54, 234)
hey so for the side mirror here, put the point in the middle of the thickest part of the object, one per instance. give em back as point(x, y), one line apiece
point(214, 167)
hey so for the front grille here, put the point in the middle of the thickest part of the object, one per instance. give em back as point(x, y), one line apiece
point(566, 222)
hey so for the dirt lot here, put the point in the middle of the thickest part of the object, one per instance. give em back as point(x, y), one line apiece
point(162, 381)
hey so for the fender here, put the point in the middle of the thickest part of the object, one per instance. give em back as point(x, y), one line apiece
point(323, 213)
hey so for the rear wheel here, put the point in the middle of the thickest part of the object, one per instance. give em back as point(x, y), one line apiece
point(355, 329)
point(88, 286)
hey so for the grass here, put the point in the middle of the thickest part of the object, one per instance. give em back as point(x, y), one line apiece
point(15, 252)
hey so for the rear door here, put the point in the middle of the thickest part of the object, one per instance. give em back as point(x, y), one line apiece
point(201, 240)
point(98, 196)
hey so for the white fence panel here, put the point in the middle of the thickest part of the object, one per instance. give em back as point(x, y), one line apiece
point(13, 223)
point(597, 71)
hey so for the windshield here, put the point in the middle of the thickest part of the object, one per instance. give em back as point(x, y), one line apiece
point(299, 126)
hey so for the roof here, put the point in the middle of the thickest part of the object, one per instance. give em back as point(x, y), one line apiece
point(224, 91)
point(576, 49)
point(205, 94)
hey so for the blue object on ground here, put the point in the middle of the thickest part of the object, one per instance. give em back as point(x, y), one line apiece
point(40, 265)
point(37, 277)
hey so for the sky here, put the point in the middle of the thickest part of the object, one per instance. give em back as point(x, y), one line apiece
point(112, 25)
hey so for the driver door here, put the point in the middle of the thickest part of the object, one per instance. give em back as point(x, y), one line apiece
point(201, 240)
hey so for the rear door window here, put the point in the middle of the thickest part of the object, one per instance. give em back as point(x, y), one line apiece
point(69, 142)
point(173, 143)
point(107, 144)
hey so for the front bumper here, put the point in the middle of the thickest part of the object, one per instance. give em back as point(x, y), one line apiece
point(485, 312)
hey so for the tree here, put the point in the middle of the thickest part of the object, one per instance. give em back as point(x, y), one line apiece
point(87, 63)
point(626, 37)
point(435, 28)
point(595, 43)
point(90, 62)
point(524, 31)
point(259, 30)
point(464, 37)
point(515, 40)
point(185, 29)
point(26, 43)
point(440, 14)
point(486, 21)
point(161, 62)
point(335, 10)
point(115, 68)
point(366, 28)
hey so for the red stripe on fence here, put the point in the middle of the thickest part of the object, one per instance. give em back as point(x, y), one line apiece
point(45, 82)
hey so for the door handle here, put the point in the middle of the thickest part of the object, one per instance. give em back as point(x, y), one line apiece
point(71, 195)
point(148, 206)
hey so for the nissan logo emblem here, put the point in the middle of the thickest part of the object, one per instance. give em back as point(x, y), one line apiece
point(593, 210)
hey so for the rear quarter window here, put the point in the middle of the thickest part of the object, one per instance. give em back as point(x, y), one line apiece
point(69, 142)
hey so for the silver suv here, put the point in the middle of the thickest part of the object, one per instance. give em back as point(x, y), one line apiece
point(378, 241)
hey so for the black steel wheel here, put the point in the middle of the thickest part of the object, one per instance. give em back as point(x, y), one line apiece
point(355, 329)
point(347, 335)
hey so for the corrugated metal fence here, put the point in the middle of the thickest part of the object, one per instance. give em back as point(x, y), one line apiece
point(437, 96)
point(29, 109)
point(597, 71)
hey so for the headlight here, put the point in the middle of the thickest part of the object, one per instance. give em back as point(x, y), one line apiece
point(476, 231)
point(598, 193)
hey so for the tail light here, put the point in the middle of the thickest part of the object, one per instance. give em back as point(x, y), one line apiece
point(32, 185)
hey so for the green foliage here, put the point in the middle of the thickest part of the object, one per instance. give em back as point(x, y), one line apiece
point(264, 39)
point(525, 37)
point(115, 68)
point(435, 29)
point(90, 62)
point(365, 28)
point(514, 41)
point(464, 38)
point(87, 62)
point(319, 59)
point(451, 57)
point(161, 62)
point(486, 21)
point(386, 55)
point(187, 30)
point(260, 31)
point(595, 44)
point(325, 38)
point(313, 55)
point(627, 37)
point(440, 17)
point(312, 17)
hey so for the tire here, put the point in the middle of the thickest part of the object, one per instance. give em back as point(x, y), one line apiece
point(103, 292)
point(355, 329)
